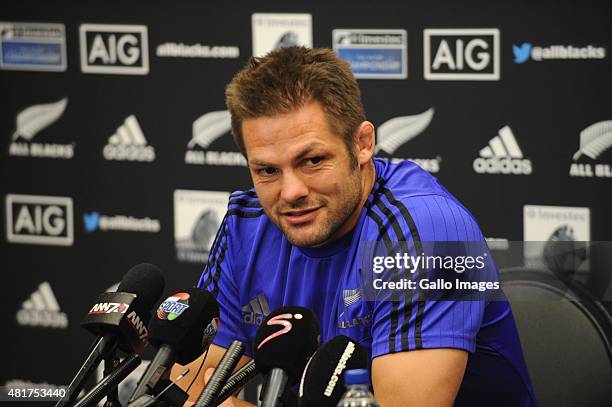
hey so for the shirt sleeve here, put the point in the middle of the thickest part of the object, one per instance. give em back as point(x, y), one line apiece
point(405, 320)
point(218, 279)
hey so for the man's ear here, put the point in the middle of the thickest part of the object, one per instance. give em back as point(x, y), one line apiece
point(366, 142)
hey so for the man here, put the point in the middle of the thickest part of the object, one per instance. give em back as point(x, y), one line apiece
point(295, 239)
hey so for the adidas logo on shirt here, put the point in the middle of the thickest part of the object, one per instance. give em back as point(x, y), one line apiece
point(42, 309)
point(129, 143)
point(256, 310)
point(502, 156)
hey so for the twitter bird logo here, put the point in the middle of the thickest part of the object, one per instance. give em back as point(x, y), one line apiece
point(91, 221)
point(522, 53)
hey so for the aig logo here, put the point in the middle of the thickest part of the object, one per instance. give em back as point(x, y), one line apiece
point(461, 54)
point(35, 219)
point(114, 49)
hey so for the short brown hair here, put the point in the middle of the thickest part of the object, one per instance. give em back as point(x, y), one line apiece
point(287, 79)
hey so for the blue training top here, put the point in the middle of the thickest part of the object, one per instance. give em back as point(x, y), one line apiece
point(253, 269)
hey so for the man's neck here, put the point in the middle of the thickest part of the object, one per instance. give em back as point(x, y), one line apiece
point(368, 178)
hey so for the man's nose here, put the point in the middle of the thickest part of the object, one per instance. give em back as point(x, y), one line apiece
point(293, 188)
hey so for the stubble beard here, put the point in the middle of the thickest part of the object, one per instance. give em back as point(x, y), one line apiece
point(333, 221)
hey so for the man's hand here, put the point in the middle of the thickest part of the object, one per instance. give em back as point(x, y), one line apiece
point(426, 377)
point(215, 353)
point(227, 403)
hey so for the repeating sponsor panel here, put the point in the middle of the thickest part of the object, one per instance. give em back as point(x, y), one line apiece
point(33, 46)
point(373, 54)
point(461, 54)
point(197, 216)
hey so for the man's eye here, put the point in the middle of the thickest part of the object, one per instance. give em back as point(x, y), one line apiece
point(315, 160)
point(267, 171)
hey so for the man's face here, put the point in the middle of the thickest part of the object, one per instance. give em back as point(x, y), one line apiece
point(303, 175)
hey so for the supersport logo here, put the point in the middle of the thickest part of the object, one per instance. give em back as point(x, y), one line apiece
point(282, 320)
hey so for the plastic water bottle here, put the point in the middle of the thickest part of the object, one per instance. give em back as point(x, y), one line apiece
point(357, 390)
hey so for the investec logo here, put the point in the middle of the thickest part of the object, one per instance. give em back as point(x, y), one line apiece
point(32, 120)
point(397, 131)
point(37, 219)
point(594, 141)
point(114, 49)
point(461, 54)
point(205, 130)
point(128, 143)
point(502, 156)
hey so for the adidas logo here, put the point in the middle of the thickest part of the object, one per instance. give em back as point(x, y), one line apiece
point(502, 156)
point(351, 296)
point(42, 309)
point(256, 310)
point(129, 143)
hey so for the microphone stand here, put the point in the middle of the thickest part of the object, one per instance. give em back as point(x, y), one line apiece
point(110, 363)
point(96, 394)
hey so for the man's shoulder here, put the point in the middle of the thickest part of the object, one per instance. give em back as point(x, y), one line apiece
point(245, 220)
point(404, 179)
point(244, 209)
point(409, 199)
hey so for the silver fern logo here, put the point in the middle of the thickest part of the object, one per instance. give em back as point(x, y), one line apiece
point(351, 296)
point(206, 130)
point(395, 132)
point(31, 121)
point(595, 140)
point(399, 130)
point(35, 118)
point(209, 127)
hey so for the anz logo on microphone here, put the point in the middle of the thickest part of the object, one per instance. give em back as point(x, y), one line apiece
point(281, 320)
point(108, 308)
point(138, 325)
point(114, 49)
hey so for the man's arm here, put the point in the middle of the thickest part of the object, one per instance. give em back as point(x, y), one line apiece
point(425, 377)
point(215, 353)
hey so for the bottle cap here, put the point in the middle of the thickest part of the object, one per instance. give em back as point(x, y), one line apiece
point(356, 376)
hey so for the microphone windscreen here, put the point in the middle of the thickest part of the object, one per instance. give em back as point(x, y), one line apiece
point(322, 383)
point(181, 321)
point(146, 281)
point(286, 339)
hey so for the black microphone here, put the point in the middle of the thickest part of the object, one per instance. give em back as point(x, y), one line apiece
point(322, 383)
point(181, 328)
point(284, 341)
point(110, 382)
point(223, 371)
point(119, 319)
point(237, 381)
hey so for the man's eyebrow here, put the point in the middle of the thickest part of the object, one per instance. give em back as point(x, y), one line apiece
point(260, 163)
point(300, 155)
point(307, 150)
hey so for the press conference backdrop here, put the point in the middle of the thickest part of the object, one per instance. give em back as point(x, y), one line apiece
point(115, 144)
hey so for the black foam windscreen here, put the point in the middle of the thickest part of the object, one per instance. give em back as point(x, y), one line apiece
point(183, 321)
point(285, 340)
point(146, 281)
point(322, 383)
